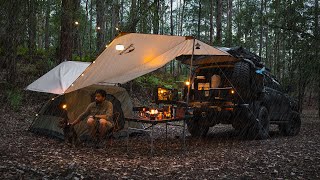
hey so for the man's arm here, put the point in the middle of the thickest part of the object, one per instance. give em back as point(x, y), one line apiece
point(83, 115)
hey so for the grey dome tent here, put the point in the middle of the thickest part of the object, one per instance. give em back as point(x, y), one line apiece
point(47, 120)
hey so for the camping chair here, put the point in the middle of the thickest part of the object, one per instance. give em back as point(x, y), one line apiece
point(114, 129)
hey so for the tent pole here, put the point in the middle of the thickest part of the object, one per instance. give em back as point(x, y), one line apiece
point(190, 73)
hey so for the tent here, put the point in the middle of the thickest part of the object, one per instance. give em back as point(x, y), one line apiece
point(47, 119)
point(131, 55)
point(127, 57)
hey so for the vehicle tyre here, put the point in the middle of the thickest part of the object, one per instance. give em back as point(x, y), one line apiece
point(241, 78)
point(292, 128)
point(196, 129)
point(258, 123)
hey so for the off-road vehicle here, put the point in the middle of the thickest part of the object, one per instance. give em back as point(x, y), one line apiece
point(241, 92)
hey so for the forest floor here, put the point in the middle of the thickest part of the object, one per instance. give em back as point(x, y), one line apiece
point(221, 155)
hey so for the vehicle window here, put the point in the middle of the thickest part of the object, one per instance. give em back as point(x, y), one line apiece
point(272, 83)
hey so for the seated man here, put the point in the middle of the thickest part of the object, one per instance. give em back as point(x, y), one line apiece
point(100, 112)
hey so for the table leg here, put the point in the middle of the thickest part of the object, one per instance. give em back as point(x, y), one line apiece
point(151, 140)
point(166, 136)
point(128, 139)
point(184, 135)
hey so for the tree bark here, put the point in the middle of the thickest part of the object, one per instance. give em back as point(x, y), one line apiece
point(211, 23)
point(155, 19)
point(46, 28)
point(133, 21)
point(261, 28)
point(219, 23)
point(12, 37)
point(199, 19)
point(32, 26)
point(229, 24)
point(316, 42)
point(171, 17)
point(100, 28)
point(66, 37)
point(182, 16)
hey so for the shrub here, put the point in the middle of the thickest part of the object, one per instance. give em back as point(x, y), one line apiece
point(14, 98)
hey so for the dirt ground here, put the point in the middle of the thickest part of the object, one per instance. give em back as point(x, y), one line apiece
point(221, 155)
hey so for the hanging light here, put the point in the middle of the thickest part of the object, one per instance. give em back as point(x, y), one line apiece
point(76, 23)
point(98, 27)
point(197, 46)
point(187, 83)
point(119, 47)
point(64, 106)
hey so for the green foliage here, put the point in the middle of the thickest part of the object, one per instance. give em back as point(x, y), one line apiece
point(14, 98)
point(22, 51)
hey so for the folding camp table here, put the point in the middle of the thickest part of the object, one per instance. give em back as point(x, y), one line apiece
point(151, 124)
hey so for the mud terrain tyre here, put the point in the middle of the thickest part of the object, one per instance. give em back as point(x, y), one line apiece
point(241, 79)
point(258, 123)
point(292, 128)
point(196, 129)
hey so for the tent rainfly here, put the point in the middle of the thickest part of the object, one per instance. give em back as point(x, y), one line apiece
point(139, 55)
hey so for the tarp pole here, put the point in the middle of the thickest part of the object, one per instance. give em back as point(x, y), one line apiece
point(190, 73)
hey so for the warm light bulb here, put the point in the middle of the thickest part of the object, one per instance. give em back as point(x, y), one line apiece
point(188, 83)
point(76, 23)
point(64, 106)
point(119, 47)
point(232, 91)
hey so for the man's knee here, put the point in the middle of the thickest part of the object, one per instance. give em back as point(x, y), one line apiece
point(90, 122)
point(105, 123)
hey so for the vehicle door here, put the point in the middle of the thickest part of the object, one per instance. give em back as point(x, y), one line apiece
point(272, 98)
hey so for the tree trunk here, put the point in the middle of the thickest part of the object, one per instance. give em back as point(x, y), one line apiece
point(316, 42)
point(199, 19)
point(219, 23)
point(171, 17)
point(90, 29)
point(12, 37)
point(229, 24)
point(261, 29)
point(32, 26)
point(66, 37)
point(155, 19)
point(133, 21)
point(211, 23)
point(181, 17)
point(76, 30)
point(100, 28)
point(46, 28)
